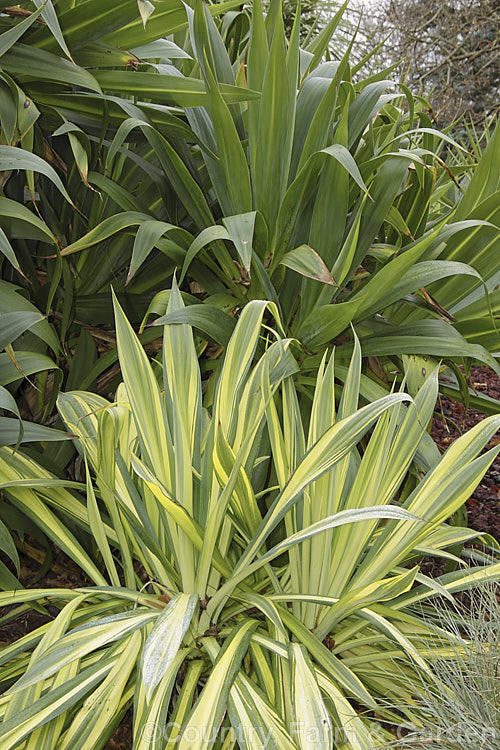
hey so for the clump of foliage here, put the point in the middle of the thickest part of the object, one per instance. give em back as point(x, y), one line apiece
point(279, 553)
point(249, 508)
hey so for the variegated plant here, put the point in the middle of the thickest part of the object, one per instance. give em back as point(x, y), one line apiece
point(253, 569)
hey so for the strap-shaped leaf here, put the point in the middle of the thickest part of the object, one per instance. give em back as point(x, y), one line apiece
point(50, 17)
point(210, 320)
point(307, 262)
point(330, 448)
point(255, 720)
point(146, 238)
point(146, 402)
point(52, 704)
point(241, 231)
point(13, 324)
point(313, 728)
point(11, 36)
point(17, 158)
point(168, 89)
point(339, 519)
point(211, 705)
point(378, 591)
point(37, 64)
point(83, 640)
point(29, 432)
point(165, 639)
point(104, 703)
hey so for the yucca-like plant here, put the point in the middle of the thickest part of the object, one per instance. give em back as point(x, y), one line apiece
point(261, 168)
point(254, 570)
point(337, 202)
point(55, 122)
point(290, 176)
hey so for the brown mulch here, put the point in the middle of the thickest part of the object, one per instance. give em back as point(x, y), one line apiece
point(483, 508)
point(123, 738)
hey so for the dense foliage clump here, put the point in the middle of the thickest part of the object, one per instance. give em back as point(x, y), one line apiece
point(234, 268)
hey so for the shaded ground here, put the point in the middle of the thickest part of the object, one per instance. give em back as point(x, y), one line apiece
point(483, 508)
point(122, 739)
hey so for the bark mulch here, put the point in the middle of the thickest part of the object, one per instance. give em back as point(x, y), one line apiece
point(483, 508)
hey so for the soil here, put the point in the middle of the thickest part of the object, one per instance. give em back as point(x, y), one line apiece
point(123, 738)
point(483, 508)
point(483, 511)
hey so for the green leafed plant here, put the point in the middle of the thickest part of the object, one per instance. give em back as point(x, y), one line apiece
point(266, 573)
point(338, 205)
point(59, 184)
point(262, 166)
point(327, 192)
